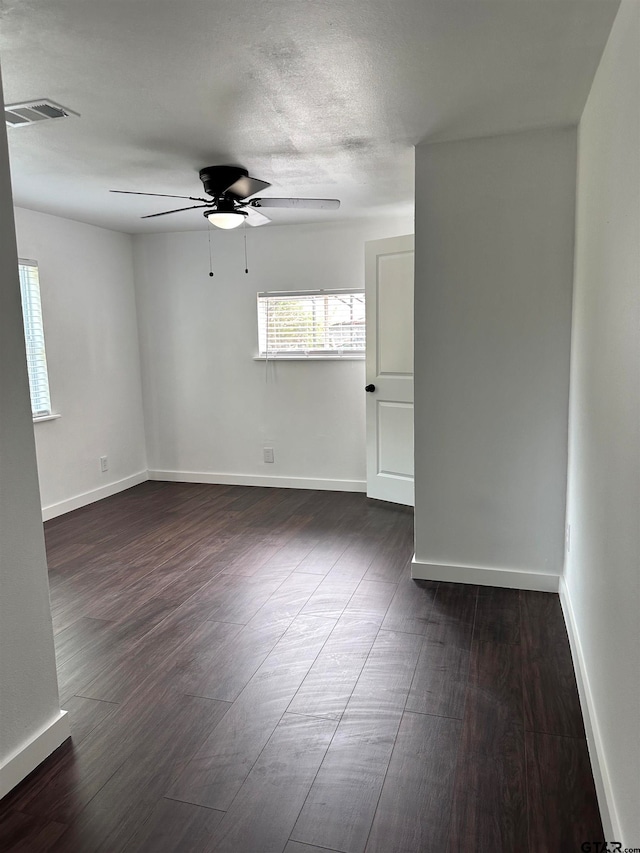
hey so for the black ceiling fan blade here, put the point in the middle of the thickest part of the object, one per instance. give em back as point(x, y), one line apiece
point(255, 218)
point(306, 203)
point(163, 195)
point(177, 210)
point(246, 186)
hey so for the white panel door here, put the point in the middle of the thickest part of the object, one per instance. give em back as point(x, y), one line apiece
point(389, 297)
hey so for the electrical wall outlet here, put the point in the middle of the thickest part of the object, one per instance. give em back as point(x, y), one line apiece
point(268, 454)
point(104, 464)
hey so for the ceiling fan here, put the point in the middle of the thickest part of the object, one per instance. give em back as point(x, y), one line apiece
point(230, 205)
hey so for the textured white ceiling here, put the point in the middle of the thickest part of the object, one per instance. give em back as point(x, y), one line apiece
point(318, 97)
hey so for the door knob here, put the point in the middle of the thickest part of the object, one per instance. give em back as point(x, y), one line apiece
point(369, 387)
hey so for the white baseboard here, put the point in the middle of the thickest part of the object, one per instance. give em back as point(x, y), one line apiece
point(509, 578)
point(259, 480)
point(53, 510)
point(610, 822)
point(18, 766)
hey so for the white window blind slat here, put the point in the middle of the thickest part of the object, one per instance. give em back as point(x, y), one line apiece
point(34, 338)
point(311, 323)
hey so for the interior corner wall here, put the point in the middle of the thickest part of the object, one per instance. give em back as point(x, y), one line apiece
point(89, 312)
point(493, 286)
point(602, 574)
point(29, 708)
point(210, 408)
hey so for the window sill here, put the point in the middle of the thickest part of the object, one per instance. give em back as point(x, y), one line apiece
point(51, 417)
point(309, 358)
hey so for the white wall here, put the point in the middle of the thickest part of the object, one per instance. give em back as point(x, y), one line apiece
point(88, 304)
point(209, 407)
point(494, 260)
point(602, 593)
point(29, 709)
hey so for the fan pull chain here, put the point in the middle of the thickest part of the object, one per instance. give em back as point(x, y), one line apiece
point(246, 263)
point(210, 262)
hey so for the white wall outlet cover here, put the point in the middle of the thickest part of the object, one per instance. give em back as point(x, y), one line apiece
point(268, 454)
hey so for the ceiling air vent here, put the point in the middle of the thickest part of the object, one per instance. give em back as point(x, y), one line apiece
point(30, 112)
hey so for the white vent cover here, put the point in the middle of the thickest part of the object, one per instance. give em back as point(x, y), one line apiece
point(17, 115)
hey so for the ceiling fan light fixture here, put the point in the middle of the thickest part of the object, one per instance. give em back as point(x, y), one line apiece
point(226, 218)
point(229, 187)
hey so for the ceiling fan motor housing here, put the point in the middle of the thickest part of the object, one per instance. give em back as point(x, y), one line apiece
point(217, 179)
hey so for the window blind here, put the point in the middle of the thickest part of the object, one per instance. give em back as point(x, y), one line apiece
point(34, 338)
point(311, 323)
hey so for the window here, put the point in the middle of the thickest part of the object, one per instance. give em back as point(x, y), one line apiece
point(311, 324)
point(34, 339)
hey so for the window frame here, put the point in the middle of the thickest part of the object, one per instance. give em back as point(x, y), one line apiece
point(33, 328)
point(337, 353)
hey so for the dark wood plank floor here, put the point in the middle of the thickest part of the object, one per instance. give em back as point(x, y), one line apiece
point(253, 671)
